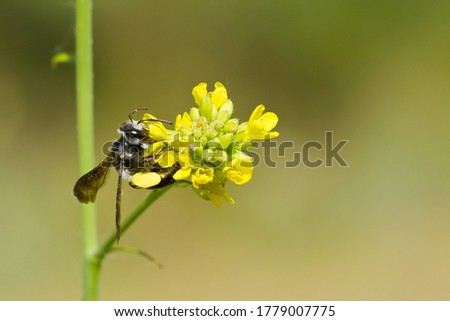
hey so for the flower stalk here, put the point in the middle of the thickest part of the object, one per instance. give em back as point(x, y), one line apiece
point(85, 133)
point(110, 241)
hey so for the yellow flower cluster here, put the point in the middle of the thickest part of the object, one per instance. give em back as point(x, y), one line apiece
point(210, 145)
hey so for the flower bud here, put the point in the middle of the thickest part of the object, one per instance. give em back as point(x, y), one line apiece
point(207, 109)
point(225, 112)
point(231, 126)
point(194, 113)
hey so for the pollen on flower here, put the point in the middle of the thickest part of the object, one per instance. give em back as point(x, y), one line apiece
point(210, 145)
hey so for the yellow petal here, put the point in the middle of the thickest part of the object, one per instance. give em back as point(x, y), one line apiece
point(199, 92)
point(219, 95)
point(260, 125)
point(238, 178)
point(157, 131)
point(183, 157)
point(202, 176)
point(182, 173)
point(240, 171)
point(147, 116)
point(269, 121)
point(257, 112)
point(145, 180)
point(153, 149)
point(272, 135)
point(178, 123)
point(184, 120)
point(167, 159)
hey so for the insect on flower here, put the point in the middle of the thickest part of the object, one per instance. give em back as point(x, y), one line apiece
point(134, 155)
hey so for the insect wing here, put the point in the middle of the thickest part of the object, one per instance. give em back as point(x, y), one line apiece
point(85, 189)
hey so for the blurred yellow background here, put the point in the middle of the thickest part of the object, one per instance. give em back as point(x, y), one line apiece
point(376, 73)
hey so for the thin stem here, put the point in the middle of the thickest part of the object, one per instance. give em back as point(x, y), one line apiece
point(93, 254)
point(111, 239)
point(85, 132)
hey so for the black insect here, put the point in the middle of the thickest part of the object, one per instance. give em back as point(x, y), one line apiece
point(129, 156)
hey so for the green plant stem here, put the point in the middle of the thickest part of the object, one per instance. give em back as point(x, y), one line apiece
point(85, 132)
point(93, 254)
point(126, 223)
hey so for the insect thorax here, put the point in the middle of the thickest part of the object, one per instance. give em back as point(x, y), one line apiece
point(131, 151)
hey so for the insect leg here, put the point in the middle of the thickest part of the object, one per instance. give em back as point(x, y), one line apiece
point(119, 199)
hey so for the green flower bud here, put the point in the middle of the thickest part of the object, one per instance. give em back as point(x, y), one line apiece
point(207, 109)
point(203, 140)
point(214, 144)
point(231, 126)
point(225, 112)
point(194, 113)
point(217, 126)
point(198, 153)
point(225, 140)
point(215, 158)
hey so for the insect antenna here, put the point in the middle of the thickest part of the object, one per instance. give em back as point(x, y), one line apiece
point(135, 111)
point(142, 120)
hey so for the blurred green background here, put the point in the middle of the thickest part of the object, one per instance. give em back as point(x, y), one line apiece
point(376, 73)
